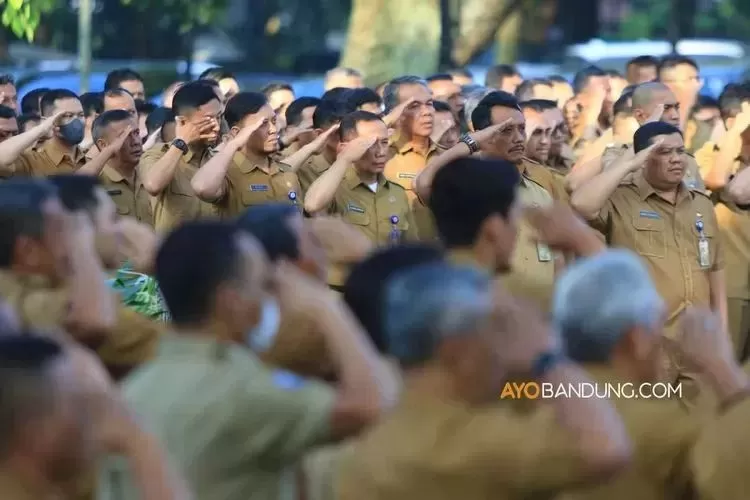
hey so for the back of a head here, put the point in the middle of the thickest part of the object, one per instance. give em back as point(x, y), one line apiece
point(496, 75)
point(50, 98)
point(431, 303)
point(192, 96)
point(335, 76)
point(294, 111)
point(92, 102)
point(157, 118)
point(525, 91)
point(116, 77)
point(360, 97)
point(30, 101)
point(461, 72)
point(643, 62)
point(468, 191)
point(365, 286)
point(327, 114)
point(216, 74)
point(731, 99)
point(391, 95)
point(645, 93)
point(348, 128)
point(21, 213)
point(645, 135)
point(600, 299)
point(193, 261)
point(582, 78)
point(472, 101)
point(104, 120)
point(243, 104)
point(77, 192)
point(671, 62)
point(269, 223)
point(623, 107)
point(272, 87)
point(32, 119)
point(481, 117)
point(538, 105)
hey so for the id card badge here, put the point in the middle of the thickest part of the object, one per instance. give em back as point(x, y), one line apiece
point(704, 254)
point(543, 252)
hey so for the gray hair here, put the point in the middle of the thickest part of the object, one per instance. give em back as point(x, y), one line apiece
point(391, 97)
point(341, 72)
point(430, 303)
point(600, 299)
point(472, 101)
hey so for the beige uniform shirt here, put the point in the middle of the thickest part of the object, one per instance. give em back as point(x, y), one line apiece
point(313, 168)
point(177, 203)
point(48, 160)
point(128, 194)
point(235, 428)
point(618, 150)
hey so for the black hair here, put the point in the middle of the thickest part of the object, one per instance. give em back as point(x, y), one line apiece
point(440, 77)
point(327, 114)
point(461, 72)
point(558, 79)
point(442, 106)
point(360, 97)
point(27, 118)
point(294, 111)
point(496, 75)
point(193, 261)
point(47, 103)
point(105, 119)
point(77, 192)
point(731, 99)
point(21, 213)
point(157, 118)
point(337, 95)
point(349, 123)
point(26, 386)
point(272, 87)
point(268, 223)
point(92, 102)
point(364, 290)
point(525, 91)
point(623, 105)
point(243, 104)
point(538, 105)
point(217, 74)
point(146, 107)
point(192, 96)
point(116, 78)
point(613, 73)
point(643, 62)
point(481, 117)
point(674, 60)
point(584, 76)
point(30, 103)
point(117, 92)
point(645, 134)
point(468, 191)
point(7, 79)
point(392, 91)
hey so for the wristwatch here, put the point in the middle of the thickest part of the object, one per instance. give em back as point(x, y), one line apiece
point(470, 143)
point(545, 362)
point(181, 145)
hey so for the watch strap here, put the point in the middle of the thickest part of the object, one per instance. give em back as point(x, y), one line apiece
point(470, 143)
point(181, 145)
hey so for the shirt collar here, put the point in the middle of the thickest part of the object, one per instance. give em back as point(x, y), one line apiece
point(247, 164)
point(112, 174)
point(402, 145)
point(58, 155)
point(352, 180)
point(192, 346)
point(645, 189)
point(466, 257)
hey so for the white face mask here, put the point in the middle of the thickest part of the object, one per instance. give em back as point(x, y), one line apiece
point(262, 336)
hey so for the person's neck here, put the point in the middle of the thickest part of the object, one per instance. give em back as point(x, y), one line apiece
point(420, 144)
point(329, 156)
point(64, 146)
point(127, 171)
point(483, 255)
point(367, 177)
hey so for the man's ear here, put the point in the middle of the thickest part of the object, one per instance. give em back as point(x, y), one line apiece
point(100, 144)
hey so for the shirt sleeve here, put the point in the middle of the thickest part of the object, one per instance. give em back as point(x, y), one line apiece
point(281, 416)
point(610, 156)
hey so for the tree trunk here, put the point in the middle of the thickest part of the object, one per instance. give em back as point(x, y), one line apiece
point(480, 21)
point(507, 39)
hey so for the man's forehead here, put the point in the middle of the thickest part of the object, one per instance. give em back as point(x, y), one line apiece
point(211, 108)
point(670, 140)
point(502, 113)
point(416, 90)
point(68, 104)
point(115, 128)
point(375, 128)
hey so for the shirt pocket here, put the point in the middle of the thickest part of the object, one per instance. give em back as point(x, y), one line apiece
point(650, 240)
point(256, 194)
point(356, 215)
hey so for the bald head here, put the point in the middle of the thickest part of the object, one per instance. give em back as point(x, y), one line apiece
point(647, 97)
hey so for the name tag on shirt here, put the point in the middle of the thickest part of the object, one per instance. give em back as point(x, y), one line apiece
point(114, 192)
point(406, 175)
point(354, 208)
point(259, 187)
point(648, 214)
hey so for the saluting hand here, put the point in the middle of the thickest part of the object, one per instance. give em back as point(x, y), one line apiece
point(641, 158)
point(742, 120)
point(342, 242)
point(487, 136)
point(560, 228)
point(397, 113)
point(299, 295)
point(320, 141)
point(357, 148)
point(118, 143)
point(245, 133)
point(49, 123)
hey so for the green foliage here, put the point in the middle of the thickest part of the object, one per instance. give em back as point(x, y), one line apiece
point(22, 16)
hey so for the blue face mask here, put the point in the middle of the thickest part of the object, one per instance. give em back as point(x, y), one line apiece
point(73, 131)
point(261, 337)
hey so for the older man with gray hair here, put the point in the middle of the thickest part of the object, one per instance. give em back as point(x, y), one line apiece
point(459, 338)
point(611, 317)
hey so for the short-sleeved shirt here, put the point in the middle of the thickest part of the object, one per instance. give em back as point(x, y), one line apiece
point(618, 150)
point(734, 221)
point(562, 164)
point(178, 202)
point(666, 236)
point(128, 194)
point(235, 428)
point(402, 168)
point(255, 182)
point(384, 216)
point(433, 448)
point(313, 168)
point(662, 434)
point(542, 175)
point(49, 159)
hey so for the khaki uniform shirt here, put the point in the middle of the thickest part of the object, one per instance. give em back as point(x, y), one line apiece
point(313, 168)
point(249, 183)
point(666, 237)
point(235, 428)
point(543, 175)
point(734, 222)
point(13, 489)
point(432, 448)
point(662, 434)
point(402, 168)
point(561, 165)
point(48, 160)
point(128, 194)
point(39, 305)
point(383, 216)
point(177, 203)
point(618, 150)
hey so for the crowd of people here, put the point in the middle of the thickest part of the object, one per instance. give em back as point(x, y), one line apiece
point(351, 279)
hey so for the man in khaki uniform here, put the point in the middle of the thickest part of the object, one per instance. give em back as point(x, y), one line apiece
point(593, 102)
point(411, 146)
point(120, 176)
point(654, 101)
point(326, 115)
point(64, 119)
point(167, 169)
point(626, 359)
point(671, 226)
point(449, 438)
point(721, 165)
point(206, 384)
